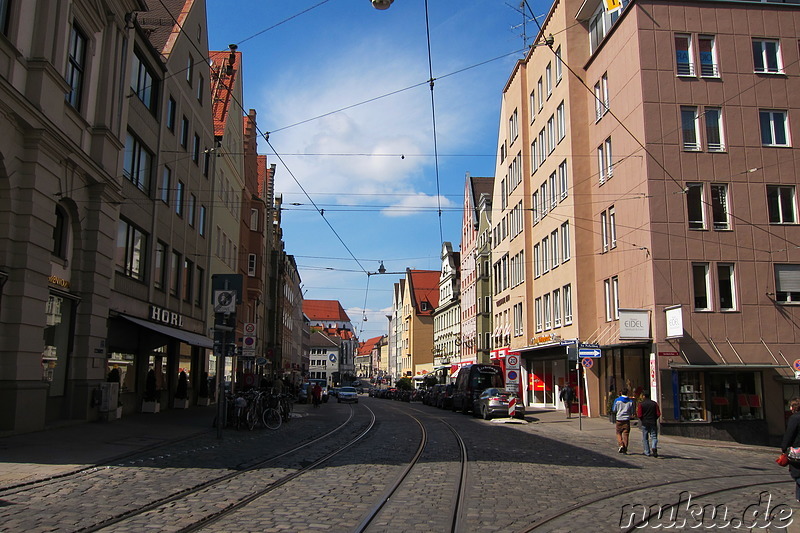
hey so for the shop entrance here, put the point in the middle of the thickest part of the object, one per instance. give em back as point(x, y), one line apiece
point(544, 378)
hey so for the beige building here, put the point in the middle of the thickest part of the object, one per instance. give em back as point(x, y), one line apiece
point(419, 300)
point(679, 201)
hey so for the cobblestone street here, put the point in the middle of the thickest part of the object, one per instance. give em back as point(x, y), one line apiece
point(547, 474)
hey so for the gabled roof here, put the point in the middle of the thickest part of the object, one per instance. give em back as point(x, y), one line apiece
point(317, 310)
point(158, 22)
point(366, 347)
point(424, 287)
point(320, 339)
point(225, 68)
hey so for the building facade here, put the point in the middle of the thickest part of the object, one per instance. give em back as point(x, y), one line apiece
point(447, 315)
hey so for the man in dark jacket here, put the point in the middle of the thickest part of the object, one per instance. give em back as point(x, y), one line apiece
point(648, 414)
point(567, 395)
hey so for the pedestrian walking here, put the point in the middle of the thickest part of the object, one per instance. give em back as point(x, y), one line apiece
point(791, 439)
point(317, 395)
point(648, 414)
point(567, 395)
point(623, 410)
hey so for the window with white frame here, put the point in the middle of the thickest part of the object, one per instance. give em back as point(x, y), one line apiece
point(715, 141)
point(689, 130)
point(537, 309)
point(513, 127)
point(787, 283)
point(781, 204)
point(684, 55)
point(535, 207)
point(540, 94)
point(547, 311)
point(543, 198)
point(709, 65)
point(598, 102)
point(532, 104)
point(252, 262)
point(607, 295)
point(606, 99)
point(551, 134)
point(553, 190)
point(604, 231)
point(559, 65)
point(604, 161)
point(518, 319)
point(554, 249)
point(612, 227)
point(565, 243)
point(537, 271)
point(701, 287)
point(548, 74)
point(695, 206)
point(561, 122)
point(563, 179)
point(615, 296)
point(719, 206)
point(545, 256)
point(557, 308)
point(567, 295)
point(726, 287)
point(767, 56)
point(534, 156)
point(774, 128)
point(253, 219)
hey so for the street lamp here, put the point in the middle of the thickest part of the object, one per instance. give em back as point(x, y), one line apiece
point(381, 4)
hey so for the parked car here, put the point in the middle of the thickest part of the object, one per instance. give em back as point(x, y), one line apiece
point(445, 398)
point(471, 381)
point(347, 394)
point(333, 391)
point(494, 402)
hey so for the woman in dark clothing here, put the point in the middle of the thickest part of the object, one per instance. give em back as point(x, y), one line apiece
point(792, 439)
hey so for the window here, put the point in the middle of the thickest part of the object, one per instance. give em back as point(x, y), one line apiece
point(179, 199)
point(189, 69)
point(166, 179)
point(251, 264)
point(190, 214)
point(719, 206)
point(604, 161)
point(559, 65)
point(781, 204)
point(548, 74)
point(606, 100)
point(537, 270)
point(691, 140)
point(131, 250)
point(709, 67)
point(76, 63)
point(561, 122)
point(198, 301)
point(513, 127)
point(61, 233)
point(604, 230)
point(774, 131)
point(206, 162)
point(612, 227)
point(532, 104)
point(540, 93)
point(557, 308)
point(171, 110)
point(567, 290)
point(565, 243)
point(160, 266)
point(726, 287)
point(735, 395)
point(563, 180)
point(543, 198)
point(684, 55)
point(542, 147)
point(598, 102)
point(535, 207)
point(254, 220)
point(184, 131)
point(694, 206)
point(201, 221)
point(702, 287)
point(196, 149)
point(174, 273)
point(537, 306)
point(554, 249)
point(607, 293)
point(553, 191)
point(787, 283)
point(714, 139)
point(4, 8)
point(545, 255)
point(143, 83)
point(534, 156)
point(547, 311)
point(136, 165)
point(551, 134)
point(767, 57)
point(200, 84)
point(517, 319)
point(187, 279)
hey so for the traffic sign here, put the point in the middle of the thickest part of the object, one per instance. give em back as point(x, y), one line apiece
point(589, 345)
point(589, 352)
point(587, 362)
point(249, 341)
point(796, 365)
point(512, 361)
point(249, 328)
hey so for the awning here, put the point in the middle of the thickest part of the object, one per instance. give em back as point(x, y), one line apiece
point(185, 336)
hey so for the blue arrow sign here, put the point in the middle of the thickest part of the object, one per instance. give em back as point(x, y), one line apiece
point(588, 352)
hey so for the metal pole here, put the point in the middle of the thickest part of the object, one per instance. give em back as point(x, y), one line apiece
point(580, 390)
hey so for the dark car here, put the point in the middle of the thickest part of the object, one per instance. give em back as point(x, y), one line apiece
point(445, 398)
point(494, 402)
point(471, 381)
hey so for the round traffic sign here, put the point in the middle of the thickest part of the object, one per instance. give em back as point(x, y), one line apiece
point(249, 341)
point(249, 328)
point(796, 365)
point(512, 360)
point(587, 362)
point(512, 375)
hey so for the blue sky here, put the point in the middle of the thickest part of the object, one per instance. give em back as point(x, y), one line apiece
point(371, 167)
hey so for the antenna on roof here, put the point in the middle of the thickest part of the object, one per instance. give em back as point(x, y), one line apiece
point(524, 24)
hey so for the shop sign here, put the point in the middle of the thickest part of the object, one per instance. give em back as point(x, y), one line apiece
point(674, 316)
point(634, 324)
point(60, 282)
point(165, 316)
point(545, 339)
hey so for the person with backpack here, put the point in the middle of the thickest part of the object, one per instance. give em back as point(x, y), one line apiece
point(623, 410)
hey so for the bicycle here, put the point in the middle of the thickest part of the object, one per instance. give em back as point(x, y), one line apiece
point(271, 415)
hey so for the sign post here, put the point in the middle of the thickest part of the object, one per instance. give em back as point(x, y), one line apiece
point(226, 290)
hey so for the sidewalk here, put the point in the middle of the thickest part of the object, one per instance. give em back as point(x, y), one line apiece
point(48, 453)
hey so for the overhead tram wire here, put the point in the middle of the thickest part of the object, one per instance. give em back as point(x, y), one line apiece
point(433, 120)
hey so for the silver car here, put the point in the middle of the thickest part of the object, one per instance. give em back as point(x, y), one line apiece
point(347, 394)
point(494, 402)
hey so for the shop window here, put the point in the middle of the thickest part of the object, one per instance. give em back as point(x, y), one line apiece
point(124, 364)
point(735, 395)
point(57, 342)
point(691, 400)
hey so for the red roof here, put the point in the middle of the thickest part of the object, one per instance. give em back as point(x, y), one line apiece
point(317, 310)
point(224, 69)
point(425, 288)
point(366, 347)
